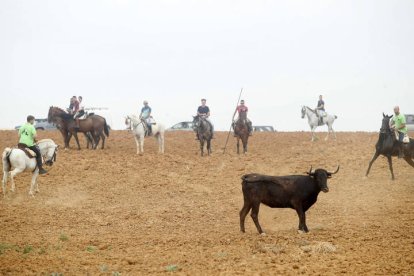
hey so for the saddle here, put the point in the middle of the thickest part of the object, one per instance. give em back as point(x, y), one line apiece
point(29, 152)
point(406, 139)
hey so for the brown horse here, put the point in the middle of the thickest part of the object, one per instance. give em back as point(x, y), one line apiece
point(93, 124)
point(241, 131)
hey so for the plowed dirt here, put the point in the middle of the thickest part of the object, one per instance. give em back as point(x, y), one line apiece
point(112, 212)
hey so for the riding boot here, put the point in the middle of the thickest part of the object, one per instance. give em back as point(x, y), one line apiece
point(149, 130)
point(36, 149)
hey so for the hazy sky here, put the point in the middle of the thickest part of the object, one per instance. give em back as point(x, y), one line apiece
point(358, 54)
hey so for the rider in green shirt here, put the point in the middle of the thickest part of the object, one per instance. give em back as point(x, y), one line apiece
point(398, 123)
point(27, 138)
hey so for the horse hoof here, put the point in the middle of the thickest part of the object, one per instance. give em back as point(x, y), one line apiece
point(263, 234)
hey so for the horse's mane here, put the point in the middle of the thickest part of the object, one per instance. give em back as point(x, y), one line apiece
point(310, 109)
point(46, 140)
point(134, 118)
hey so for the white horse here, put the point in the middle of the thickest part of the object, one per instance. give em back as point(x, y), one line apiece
point(313, 121)
point(138, 129)
point(17, 159)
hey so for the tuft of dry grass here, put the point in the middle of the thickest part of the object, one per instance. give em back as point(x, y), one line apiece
point(319, 247)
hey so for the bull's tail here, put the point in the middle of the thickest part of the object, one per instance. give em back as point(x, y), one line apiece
point(6, 159)
point(106, 129)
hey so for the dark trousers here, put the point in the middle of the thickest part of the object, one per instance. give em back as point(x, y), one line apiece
point(401, 144)
point(38, 155)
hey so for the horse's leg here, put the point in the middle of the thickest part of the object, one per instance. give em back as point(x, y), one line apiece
point(97, 138)
point(409, 160)
point(103, 140)
point(246, 139)
point(4, 182)
point(238, 146)
point(202, 146)
point(141, 142)
point(390, 165)
point(376, 154)
point(67, 140)
point(159, 139)
point(137, 142)
point(209, 146)
point(162, 141)
point(33, 185)
point(13, 173)
point(75, 134)
point(329, 130)
point(313, 133)
point(33, 182)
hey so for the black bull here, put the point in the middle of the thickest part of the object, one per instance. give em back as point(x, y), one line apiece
point(298, 192)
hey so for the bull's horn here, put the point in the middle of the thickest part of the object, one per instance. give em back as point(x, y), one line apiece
point(383, 115)
point(310, 171)
point(336, 170)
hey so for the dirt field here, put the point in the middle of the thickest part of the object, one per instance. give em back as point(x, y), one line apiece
point(112, 212)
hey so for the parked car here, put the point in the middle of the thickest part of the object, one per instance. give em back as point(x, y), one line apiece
point(409, 121)
point(263, 128)
point(42, 124)
point(187, 126)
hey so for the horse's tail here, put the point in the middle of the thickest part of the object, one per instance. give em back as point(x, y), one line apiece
point(106, 128)
point(6, 159)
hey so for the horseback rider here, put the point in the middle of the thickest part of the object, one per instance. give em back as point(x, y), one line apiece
point(72, 101)
point(320, 110)
point(242, 108)
point(145, 116)
point(80, 112)
point(399, 125)
point(27, 138)
point(203, 111)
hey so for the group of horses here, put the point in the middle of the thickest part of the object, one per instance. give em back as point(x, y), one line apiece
point(95, 128)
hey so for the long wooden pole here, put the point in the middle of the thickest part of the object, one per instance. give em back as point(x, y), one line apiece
point(228, 135)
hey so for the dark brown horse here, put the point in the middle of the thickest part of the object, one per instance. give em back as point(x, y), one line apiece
point(93, 124)
point(241, 131)
point(204, 133)
point(387, 146)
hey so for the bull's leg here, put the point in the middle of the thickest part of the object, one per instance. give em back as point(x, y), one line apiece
point(409, 160)
point(390, 165)
point(302, 219)
point(376, 154)
point(4, 182)
point(243, 213)
point(255, 216)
